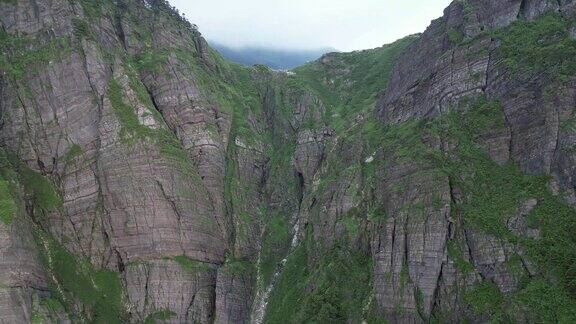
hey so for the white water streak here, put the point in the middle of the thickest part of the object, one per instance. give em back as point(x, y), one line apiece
point(262, 296)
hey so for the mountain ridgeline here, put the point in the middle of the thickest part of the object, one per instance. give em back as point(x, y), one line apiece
point(276, 59)
point(144, 178)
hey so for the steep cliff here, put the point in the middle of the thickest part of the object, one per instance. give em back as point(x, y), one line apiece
point(146, 179)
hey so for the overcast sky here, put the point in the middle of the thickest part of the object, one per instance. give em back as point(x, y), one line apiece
point(309, 24)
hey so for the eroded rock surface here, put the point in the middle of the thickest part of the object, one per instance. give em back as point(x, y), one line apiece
point(340, 193)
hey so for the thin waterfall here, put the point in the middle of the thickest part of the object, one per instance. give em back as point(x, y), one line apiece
point(262, 296)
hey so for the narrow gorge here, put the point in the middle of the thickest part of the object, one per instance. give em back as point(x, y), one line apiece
point(145, 179)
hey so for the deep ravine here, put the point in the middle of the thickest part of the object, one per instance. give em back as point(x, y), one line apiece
point(143, 178)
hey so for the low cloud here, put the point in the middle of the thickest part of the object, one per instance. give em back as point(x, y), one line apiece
point(308, 24)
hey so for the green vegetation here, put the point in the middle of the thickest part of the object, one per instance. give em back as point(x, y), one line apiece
point(493, 193)
point(238, 267)
point(20, 56)
point(287, 297)
point(159, 316)
point(232, 89)
point(545, 302)
point(352, 225)
point(141, 91)
point(276, 237)
point(81, 28)
point(74, 152)
point(40, 190)
point(133, 131)
point(455, 36)
point(98, 290)
point(486, 299)
point(77, 280)
point(52, 305)
point(92, 9)
point(171, 149)
point(8, 206)
point(456, 256)
point(150, 60)
point(190, 265)
point(37, 318)
point(334, 290)
point(348, 83)
point(468, 9)
point(131, 126)
point(542, 46)
point(376, 214)
point(276, 241)
point(334, 285)
point(230, 86)
point(46, 310)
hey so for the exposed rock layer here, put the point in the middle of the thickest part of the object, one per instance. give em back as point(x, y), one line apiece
point(192, 179)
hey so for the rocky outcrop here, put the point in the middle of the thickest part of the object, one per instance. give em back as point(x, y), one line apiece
point(129, 193)
point(216, 193)
point(187, 291)
point(458, 57)
point(23, 278)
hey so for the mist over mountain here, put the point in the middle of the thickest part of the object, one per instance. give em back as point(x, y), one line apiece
point(276, 59)
point(146, 179)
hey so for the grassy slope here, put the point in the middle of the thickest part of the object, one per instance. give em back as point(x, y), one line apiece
point(349, 83)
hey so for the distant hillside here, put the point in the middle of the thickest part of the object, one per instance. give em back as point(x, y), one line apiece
point(273, 58)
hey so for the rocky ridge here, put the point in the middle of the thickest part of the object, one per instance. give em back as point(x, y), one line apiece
point(144, 178)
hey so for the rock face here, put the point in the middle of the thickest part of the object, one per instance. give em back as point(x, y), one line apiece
point(455, 59)
point(23, 278)
point(175, 186)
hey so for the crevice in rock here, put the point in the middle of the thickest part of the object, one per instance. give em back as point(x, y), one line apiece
point(268, 109)
point(26, 121)
point(152, 99)
point(488, 69)
point(261, 188)
point(217, 119)
point(110, 251)
point(454, 200)
point(121, 265)
point(522, 9)
point(146, 286)
point(301, 187)
point(190, 310)
point(405, 255)
point(559, 3)
point(555, 128)
point(118, 15)
point(170, 201)
point(102, 212)
point(393, 241)
point(436, 295)
point(468, 246)
point(223, 228)
point(36, 9)
point(65, 218)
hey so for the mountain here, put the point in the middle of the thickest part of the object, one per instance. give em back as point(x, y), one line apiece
point(272, 58)
point(144, 178)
